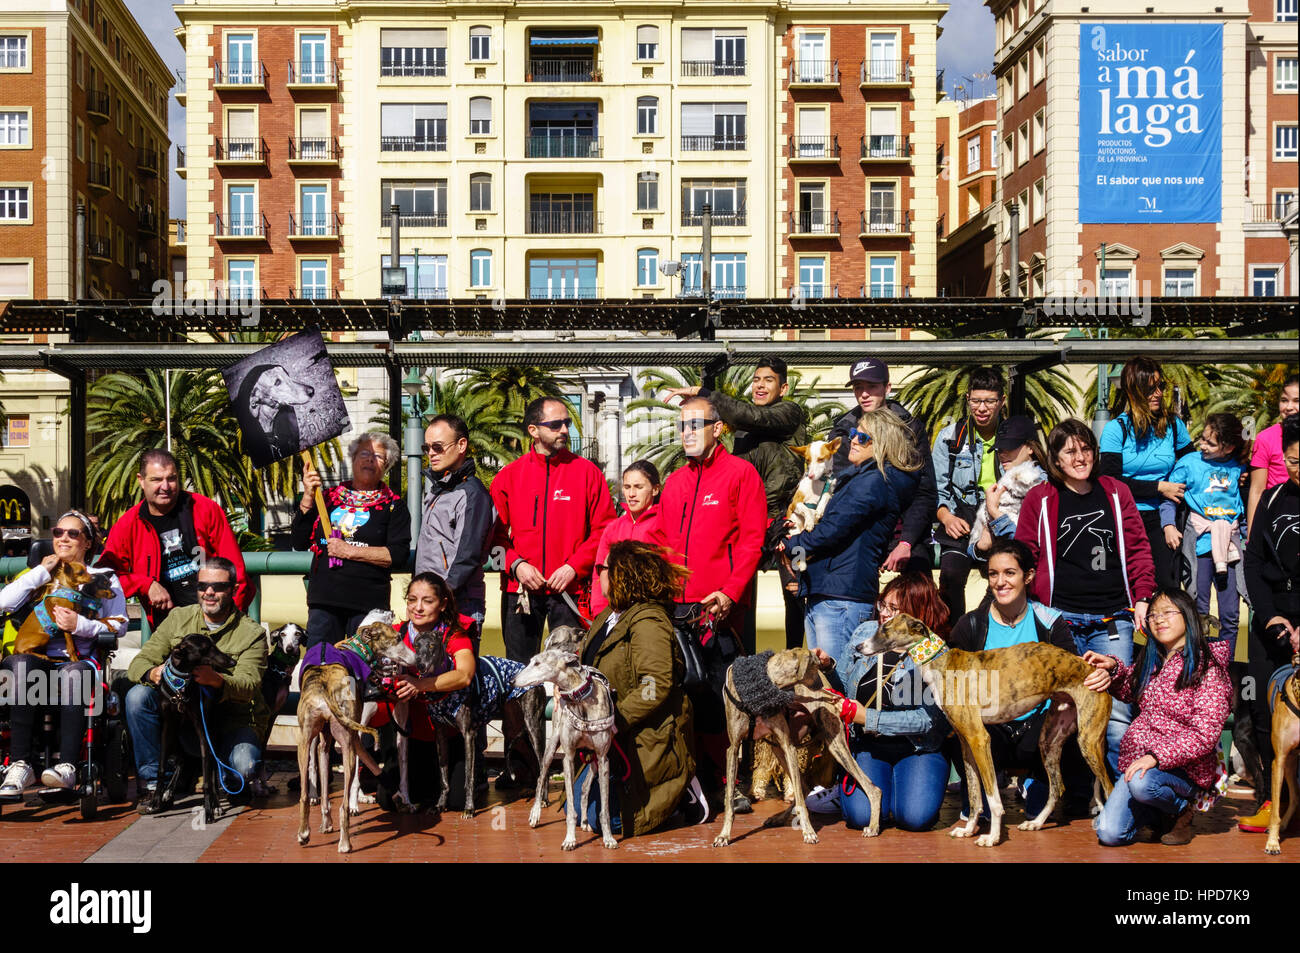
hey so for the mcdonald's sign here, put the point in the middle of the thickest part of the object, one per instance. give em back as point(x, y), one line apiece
point(15, 507)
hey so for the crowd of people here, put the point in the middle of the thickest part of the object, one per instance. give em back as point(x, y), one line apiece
point(1107, 548)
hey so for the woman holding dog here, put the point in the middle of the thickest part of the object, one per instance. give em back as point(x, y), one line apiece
point(352, 570)
point(1169, 756)
point(845, 550)
point(74, 544)
point(1022, 465)
point(1091, 548)
point(641, 486)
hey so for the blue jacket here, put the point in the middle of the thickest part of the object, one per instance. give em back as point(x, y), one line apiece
point(922, 723)
point(957, 468)
point(844, 551)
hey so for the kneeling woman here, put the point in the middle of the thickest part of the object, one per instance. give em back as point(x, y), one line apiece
point(1179, 686)
point(631, 643)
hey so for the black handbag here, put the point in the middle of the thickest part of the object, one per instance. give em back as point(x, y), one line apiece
point(683, 629)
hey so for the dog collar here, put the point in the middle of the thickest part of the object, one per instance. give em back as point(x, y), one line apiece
point(357, 647)
point(172, 682)
point(927, 650)
point(582, 691)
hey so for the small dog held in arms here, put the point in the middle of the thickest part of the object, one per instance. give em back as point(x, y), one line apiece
point(71, 586)
point(814, 491)
point(1016, 482)
point(181, 701)
point(975, 689)
point(1286, 752)
point(330, 707)
point(787, 691)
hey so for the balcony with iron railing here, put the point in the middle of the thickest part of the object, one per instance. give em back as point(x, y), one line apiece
point(885, 149)
point(715, 143)
point(314, 293)
point(814, 224)
point(99, 248)
point(814, 73)
point(885, 289)
point(241, 151)
point(146, 222)
point(248, 226)
point(549, 69)
point(884, 73)
point(97, 105)
point(322, 226)
point(99, 176)
point(146, 161)
point(884, 223)
point(405, 221)
point(563, 222)
point(314, 150)
point(403, 62)
point(412, 144)
point(179, 88)
point(313, 74)
point(731, 219)
point(423, 293)
point(813, 149)
point(699, 68)
point(181, 170)
point(1265, 213)
point(180, 231)
point(563, 147)
point(580, 293)
point(239, 74)
point(723, 293)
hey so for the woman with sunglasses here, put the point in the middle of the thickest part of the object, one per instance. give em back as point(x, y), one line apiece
point(1139, 448)
point(897, 732)
point(68, 681)
point(845, 550)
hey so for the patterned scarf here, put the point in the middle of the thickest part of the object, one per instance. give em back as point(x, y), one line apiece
point(345, 496)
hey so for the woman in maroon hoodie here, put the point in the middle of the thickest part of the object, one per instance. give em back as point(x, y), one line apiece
point(1180, 684)
point(1093, 555)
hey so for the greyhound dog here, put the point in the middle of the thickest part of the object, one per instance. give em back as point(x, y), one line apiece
point(329, 702)
point(181, 701)
point(975, 689)
point(1286, 751)
point(795, 689)
point(71, 586)
point(265, 406)
point(284, 647)
point(583, 719)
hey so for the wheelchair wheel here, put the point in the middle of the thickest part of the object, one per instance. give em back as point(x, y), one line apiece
point(89, 806)
point(117, 760)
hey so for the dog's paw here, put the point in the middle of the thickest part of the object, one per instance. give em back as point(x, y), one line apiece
point(1029, 826)
point(303, 838)
point(354, 809)
point(365, 799)
point(721, 841)
point(467, 814)
point(313, 801)
point(570, 843)
point(1274, 846)
point(961, 830)
point(610, 843)
point(326, 827)
point(345, 847)
point(535, 815)
point(810, 835)
point(872, 830)
point(402, 805)
point(585, 827)
point(985, 840)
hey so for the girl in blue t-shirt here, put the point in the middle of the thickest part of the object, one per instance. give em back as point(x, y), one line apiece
point(1213, 497)
point(1140, 446)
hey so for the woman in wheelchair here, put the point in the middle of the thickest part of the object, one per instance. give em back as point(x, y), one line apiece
point(67, 684)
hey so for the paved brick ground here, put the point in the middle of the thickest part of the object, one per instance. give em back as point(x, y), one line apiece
point(57, 833)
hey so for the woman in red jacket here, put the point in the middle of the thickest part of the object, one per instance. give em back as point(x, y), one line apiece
point(641, 486)
point(1094, 560)
point(1169, 754)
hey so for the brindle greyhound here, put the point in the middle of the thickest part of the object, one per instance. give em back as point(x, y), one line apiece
point(1026, 676)
point(1286, 751)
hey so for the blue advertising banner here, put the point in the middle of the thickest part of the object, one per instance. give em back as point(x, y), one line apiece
point(1150, 122)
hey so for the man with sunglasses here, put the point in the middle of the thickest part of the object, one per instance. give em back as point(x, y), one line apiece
point(552, 506)
point(458, 515)
point(238, 717)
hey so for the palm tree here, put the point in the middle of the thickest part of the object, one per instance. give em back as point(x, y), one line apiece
point(938, 396)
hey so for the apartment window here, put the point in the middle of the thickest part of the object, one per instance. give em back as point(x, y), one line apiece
point(480, 43)
point(241, 279)
point(80, 140)
point(17, 431)
point(1040, 61)
point(16, 128)
point(647, 191)
point(480, 192)
point(647, 42)
point(314, 138)
point(812, 216)
point(241, 206)
point(1040, 200)
point(313, 205)
point(80, 60)
point(972, 155)
point(883, 65)
point(1117, 282)
point(413, 52)
point(883, 272)
point(15, 204)
point(813, 128)
point(1263, 278)
point(1284, 74)
point(562, 278)
point(647, 267)
point(242, 141)
point(883, 208)
point(812, 64)
point(480, 268)
point(726, 197)
point(728, 275)
point(313, 278)
point(421, 204)
point(313, 65)
point(883, 140)
point(1025, 210)
point(13, 52)
point(1039, 141)
point(413, 127)
point(480, 116)
point(426, 278)
point(812, 277)
point(1022, 76)
point(713, 127)
point(993, 149)
point(1180, 282)
point(713, 52)
point(241, 59)
point(1282, 202)
point(1284, 11)
point(1284, 141)
point(647, 116)
point(15, 282)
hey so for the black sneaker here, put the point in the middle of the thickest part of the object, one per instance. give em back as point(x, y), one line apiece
point(740, 804)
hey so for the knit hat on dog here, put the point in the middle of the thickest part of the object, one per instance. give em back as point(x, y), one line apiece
point(757, 693)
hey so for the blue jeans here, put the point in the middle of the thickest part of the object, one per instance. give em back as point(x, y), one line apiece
point(593, 803)
point(911, 786)
point(828, 623)
point(1229, 602)
point(239, 748)
point(1138, 803)
point(1092, 633)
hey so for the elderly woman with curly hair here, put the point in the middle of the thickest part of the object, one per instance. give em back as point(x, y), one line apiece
point(631, 643)
point(371, 536)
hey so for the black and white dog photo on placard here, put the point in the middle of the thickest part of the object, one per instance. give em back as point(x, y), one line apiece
point(286, 398)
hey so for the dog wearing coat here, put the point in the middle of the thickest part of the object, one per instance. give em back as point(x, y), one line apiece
point(1286, 752)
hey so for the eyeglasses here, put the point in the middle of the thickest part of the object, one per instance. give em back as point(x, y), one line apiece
point(984, 401)
point(371, 455)
point(859, 436)
point(1163, 615)
point(1158, 387)
point(697, 423)
point(556, 425)
point(59, 532)
point(214, 586)
point(435, 447)
point(886, 609)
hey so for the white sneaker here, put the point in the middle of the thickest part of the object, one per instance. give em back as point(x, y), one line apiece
point(62, 775)
point(17, 779)
point(695, 807)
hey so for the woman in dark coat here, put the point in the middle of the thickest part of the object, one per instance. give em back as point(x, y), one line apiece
point(632, 645)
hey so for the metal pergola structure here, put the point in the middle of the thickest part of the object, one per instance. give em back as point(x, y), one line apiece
point(396, 334)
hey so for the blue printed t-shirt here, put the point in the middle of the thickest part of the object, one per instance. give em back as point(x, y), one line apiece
point(1149, 459)
point(1004, 636)
point(1213, 490)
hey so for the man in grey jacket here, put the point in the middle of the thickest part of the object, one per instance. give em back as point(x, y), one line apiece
point(457, 518)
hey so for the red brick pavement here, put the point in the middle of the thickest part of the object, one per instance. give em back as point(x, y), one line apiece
point(500, 833)
point(57, 833)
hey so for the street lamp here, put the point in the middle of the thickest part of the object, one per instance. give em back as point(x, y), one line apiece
point(413, 387)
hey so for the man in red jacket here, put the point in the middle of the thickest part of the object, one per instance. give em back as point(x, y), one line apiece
point(158, 547)
point(551, 507)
